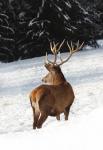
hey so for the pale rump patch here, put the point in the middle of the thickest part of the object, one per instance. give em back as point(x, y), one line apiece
point(36, 107)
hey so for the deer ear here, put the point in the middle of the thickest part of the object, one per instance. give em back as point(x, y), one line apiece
point(48, 67)
point(45, 65)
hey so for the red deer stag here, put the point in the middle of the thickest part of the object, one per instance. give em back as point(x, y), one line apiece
point(57, 95)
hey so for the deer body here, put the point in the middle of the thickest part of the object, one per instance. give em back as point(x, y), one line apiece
point(54, 97)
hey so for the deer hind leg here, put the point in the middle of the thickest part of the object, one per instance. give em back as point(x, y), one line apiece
point(66, 112)
point(35, 118)
point(58, 117)
point(42, 119)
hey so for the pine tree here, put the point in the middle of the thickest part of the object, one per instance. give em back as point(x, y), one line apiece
point(95, 9)
point(58, 20)
point(99, 10)
point(29, 26)
point(6, 34)
point(20, 8)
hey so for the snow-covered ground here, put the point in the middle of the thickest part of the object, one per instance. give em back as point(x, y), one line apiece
point(83, 130)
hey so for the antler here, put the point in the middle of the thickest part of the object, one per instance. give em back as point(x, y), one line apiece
point(72, 50)
point(55, 51)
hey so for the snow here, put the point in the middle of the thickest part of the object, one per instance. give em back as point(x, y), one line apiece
point(85, 135)
point(83, 130)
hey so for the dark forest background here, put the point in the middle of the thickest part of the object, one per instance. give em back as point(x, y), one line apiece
point(27, 26)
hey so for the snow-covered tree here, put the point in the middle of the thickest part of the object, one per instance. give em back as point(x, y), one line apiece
point(29, 26)
point(6, 35)
point(95, 9)
point(58, 20)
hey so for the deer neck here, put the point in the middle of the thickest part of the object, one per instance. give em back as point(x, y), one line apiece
point(58, 78)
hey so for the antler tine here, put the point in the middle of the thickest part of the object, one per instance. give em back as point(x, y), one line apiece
point(60, 56)
point(78, 47)
point(72, 47)
point(53, 48)
point(77, 43)
point(46, 59)
point(81, 45)
point(55, 52)
point(69, 47)
point(60, 45)
point(72, 50)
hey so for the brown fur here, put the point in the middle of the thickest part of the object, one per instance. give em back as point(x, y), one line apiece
point(53, 99)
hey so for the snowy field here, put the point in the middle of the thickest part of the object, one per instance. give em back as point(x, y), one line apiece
point(83, 130)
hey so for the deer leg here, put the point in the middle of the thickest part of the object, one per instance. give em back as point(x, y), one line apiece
point(66, 112)
point(35, 118)
point(56, 113)
point(34, 126)
point(58, 117)
point(42, 119)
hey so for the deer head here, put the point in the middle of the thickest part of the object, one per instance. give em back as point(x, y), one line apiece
point(55, 75)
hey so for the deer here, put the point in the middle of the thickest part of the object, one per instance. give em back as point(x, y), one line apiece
point(56, 95)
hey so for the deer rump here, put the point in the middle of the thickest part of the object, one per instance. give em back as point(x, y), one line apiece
point(52, 99)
